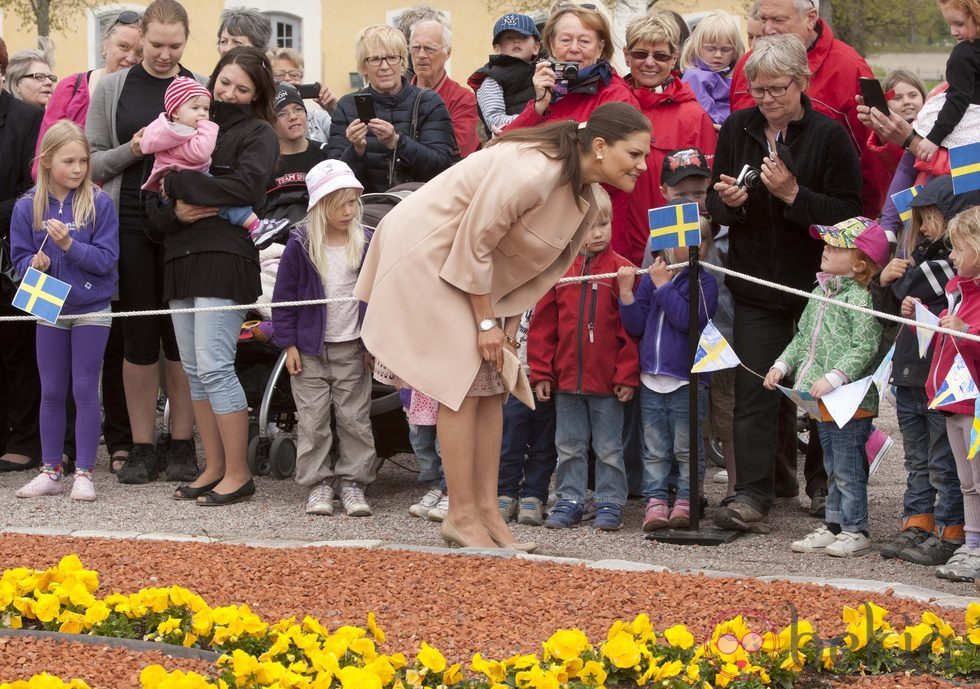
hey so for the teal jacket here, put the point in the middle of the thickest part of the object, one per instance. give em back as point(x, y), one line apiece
point(833, 342)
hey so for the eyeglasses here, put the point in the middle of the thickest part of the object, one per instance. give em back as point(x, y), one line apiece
point(759, 92)
point(391, 60)
point(642, 55)
point(282, 76)
point(723, 49)
point(41, 76)
point(427, 49)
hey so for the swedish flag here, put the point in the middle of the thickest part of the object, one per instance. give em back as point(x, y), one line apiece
point(714, 353)
point(964, 166)
point(975, 432)
point(957, 386)
point(672, 226)
point(903, 202)
point(41, 295)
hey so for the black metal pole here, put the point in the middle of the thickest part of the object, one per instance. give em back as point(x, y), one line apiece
point(693, 336)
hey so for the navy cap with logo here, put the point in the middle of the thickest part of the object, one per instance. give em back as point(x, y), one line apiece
point(686, 162)
point(521, 23)
point(286, 94)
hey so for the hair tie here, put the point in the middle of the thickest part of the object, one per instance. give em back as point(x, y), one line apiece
point(582, 125)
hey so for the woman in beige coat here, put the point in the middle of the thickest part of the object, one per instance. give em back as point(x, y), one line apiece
point(453, 266)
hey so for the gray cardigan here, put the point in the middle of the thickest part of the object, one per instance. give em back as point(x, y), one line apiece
point(110, 158)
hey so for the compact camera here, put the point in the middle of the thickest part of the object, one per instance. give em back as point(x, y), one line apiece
point(564, 71)
point(749, 178)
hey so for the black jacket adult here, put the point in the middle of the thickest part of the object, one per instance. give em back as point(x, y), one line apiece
point(241, 166)
point(415, 159)
point(769, 239)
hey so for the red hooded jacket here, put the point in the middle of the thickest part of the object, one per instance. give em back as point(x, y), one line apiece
point(835, 68)
point(576, 340)
point(678, 121)
point(944, 351)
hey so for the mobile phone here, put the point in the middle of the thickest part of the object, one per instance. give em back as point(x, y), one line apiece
point(365, 107)
point(311, 91)
point(873, 96)
point(786, 156)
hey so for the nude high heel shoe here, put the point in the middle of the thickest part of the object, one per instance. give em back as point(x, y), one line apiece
point(450, 535)
point(524, 547)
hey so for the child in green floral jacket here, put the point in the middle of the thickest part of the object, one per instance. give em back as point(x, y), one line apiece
point(836, 346)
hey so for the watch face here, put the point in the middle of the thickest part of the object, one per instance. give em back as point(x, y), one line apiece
point(487, 324)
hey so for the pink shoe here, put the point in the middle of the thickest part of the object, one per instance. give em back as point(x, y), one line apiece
point(655, 516)
point(876, 448)
point(42, 485)
point(680, 515)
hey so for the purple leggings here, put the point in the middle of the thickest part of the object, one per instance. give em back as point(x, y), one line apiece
point(73, 354)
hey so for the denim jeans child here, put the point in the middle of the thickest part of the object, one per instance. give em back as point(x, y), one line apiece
point(667, 442)
point(425, 445)
point(847, 472)
point(527, 452)
point(577, 418)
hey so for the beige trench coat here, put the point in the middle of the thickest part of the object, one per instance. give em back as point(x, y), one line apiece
point(497, 223)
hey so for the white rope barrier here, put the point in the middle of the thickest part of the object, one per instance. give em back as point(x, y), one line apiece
point(574, 279)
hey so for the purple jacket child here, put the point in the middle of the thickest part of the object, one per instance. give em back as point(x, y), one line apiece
point(712, 89)
point(298, 280)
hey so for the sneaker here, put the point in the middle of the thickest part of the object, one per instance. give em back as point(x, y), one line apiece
point(140, 467)
point(321, 500)
point(931, 551)
point(818, 503)
point(908, 538)
point(608, 516)
point(428, 501)
point(180, 461)
point(815, 542)
point(41, 485)
point(964, 565)
point(720, 476)
point(82, 488)
point(564, 515)
point(268, 231)
point(656, 516)
point(531, 512)
point(354, 503)
point(876, 448)
point(742, 516)
point(439, 512)
point(508, 508)
point(680, 514)
point(849, 544)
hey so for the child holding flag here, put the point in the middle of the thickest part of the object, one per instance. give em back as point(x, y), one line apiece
point(67, 228)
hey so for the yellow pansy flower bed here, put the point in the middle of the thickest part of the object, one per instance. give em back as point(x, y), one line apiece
point(303, 654)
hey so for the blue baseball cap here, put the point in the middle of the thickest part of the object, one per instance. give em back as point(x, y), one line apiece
point(521, 23)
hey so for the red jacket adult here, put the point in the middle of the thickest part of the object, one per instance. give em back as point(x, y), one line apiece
point(835, 68)
point(461, 104)
point(945, 351)
point(576, 340)
point(678, 121)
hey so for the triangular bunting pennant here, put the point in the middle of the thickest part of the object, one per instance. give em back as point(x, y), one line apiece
point(883, 372)
point(975, 432)
point(924, 335)
point(805, 401)
point(844, 401)
point(957, 386)
point(714, 353)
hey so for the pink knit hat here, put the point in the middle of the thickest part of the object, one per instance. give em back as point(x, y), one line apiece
point(181, 90)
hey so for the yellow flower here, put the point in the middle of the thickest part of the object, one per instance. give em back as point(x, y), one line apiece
point(431, 659)
point(622, 651)
point(364, 648)
point(352, 677)
point(910, 639)
point(973, 635)
point(189, 640)
point(566, 644)
point(493, 670)
point(152, 676)
point(95, 613)
point(573, 667)
point(46, 607)
point(521, 662)
point(726, 674)
point(169, 625)
point(593, 673)
point(693, 673)
point(71, 622)
point(243, 665)
point(679, 637)
point(972, 615)
point(938, 623)
point(453, 675)
point(375, 630)
point(202, 622)
point(642, 629)
point(383, 668)
point(536, 678)
point(827, 658)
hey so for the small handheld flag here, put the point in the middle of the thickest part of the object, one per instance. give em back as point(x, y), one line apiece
point(975, 432)
point(714, 353)
point(957, 386)
point(672, 226)
point(924, 335)
point(964, 166)
point(903, 202)
point(41, 295)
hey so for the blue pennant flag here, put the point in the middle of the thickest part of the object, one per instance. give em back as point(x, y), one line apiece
point(714, 353)
point(672, 226)
point(957, 386)
point(41, 295)
point(964, 166)
point(903, 202)
point(974, 432)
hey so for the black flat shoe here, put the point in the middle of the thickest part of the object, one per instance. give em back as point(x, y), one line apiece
point(192, 493)
point(6, 465)
point(213, 499)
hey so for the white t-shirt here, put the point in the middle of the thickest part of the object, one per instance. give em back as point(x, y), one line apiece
point(342, 325)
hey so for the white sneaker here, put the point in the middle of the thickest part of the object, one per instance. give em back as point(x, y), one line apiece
point(816, 541)
point(508, 507)
point(964, 565)
point(354, 502)
point(849, 544)
point(439, 512)
point(428, 501)
point(320, 500)
point(41, 485)
point(83, 489)
point(720, 476)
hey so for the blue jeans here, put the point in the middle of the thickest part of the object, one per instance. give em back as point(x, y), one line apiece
point(633, 445)
point(207, 344)
point(846, 463)
point(527, 450)
point(667, 441)
point(425, 445)
point(577, 418)
point(236, 215)
point(928, 460)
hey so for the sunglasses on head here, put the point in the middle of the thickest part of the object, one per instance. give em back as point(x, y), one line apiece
point(127, 18)
point(584, 6)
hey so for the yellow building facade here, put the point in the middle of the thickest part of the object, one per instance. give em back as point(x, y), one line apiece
point(323, 30)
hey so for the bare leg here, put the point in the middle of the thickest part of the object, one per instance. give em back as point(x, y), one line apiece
point(233, 430)
point(214, 450)
point(457, 432)
point(179, 394)
point(142, 384)
point(489, 429)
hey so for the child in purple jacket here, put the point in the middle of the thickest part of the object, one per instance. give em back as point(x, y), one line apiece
point(707, 60)
point(323, 347)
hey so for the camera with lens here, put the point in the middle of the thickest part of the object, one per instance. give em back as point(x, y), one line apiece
point(564, 71)
point(749, 178)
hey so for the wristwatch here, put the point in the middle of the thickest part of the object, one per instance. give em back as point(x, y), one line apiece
point(486, 325)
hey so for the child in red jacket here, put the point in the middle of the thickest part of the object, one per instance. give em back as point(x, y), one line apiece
point(581, 356)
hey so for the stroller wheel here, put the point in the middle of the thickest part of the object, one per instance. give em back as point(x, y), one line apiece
point(282, 457)
point(257, 457)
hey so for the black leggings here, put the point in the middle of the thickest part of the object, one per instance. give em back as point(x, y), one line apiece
point(141, 289)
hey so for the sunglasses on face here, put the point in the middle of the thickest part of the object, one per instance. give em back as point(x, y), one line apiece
point(642, 55)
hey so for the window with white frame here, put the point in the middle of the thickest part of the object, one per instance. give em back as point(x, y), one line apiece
point(286, 30)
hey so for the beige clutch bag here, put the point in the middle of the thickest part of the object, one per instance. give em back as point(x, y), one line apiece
point(516, 380)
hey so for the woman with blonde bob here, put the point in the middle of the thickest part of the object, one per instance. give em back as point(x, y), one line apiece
point(410, 138)
point(707, 60)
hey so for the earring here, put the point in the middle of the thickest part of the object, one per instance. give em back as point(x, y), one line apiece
point(598, 156)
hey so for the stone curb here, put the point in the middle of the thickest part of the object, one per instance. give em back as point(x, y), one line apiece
point(897, 589)
point(138, 645)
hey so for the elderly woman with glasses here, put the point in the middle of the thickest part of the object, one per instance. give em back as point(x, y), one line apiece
point(30, 77)
point(800, 169)
point(410, 137)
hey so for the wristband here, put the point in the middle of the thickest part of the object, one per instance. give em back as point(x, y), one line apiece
point(908, 141)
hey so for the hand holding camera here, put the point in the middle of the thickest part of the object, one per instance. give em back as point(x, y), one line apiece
point(544, 85)
point(731, 190)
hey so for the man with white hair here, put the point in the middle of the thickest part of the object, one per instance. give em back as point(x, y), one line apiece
point(430, 47)
point(835, 68)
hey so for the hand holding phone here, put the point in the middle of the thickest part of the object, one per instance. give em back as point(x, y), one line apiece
point(873, 96)
point(308, 91)
point(365, 107)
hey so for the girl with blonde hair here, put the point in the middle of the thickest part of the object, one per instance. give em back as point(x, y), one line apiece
point(707, 61)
